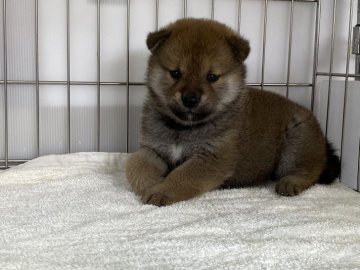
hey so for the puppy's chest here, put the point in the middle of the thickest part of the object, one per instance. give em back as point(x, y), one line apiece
point(176, 153)
point(177, 145)
point(176, 150)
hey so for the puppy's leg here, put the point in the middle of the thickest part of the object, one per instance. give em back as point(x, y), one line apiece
point(303, 157)
point(194, 177)
point(145, 169)
point(294, 184)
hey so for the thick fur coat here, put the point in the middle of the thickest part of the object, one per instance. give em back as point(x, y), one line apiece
point(203, 129)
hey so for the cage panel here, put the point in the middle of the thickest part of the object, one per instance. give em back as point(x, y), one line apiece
point(113, 31)
point(52, 40)
point(139, 28)
point(20, 34)
point(53, 119)
point(113, 119)
point(277, 45)
point(252, 27)
point(342, 43)
point(326, 18)
point(199, 9)
point(22, 128)
point(169, 11)
point(341, 38)
point(334, 50)
point(301, 95)
point(1, 41)
point(350, 153)
point(329, 108)
point(280, 90)
point(2, 123)
point(105, 115)
point(227, 12)
point(83, 40)
point(303, 38)
point(84, 118)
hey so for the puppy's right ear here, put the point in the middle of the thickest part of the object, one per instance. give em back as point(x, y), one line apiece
point(155, 39)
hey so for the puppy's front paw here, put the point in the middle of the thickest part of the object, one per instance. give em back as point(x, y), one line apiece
point(143, 184)
point(157, 196)
point(290, 185)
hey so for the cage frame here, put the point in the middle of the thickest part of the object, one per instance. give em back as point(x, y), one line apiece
point(6, 162)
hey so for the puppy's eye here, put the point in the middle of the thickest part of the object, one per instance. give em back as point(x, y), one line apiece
point(175, 74)
point(211, 77)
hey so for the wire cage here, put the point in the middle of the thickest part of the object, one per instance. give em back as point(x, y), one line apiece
point(329, 29)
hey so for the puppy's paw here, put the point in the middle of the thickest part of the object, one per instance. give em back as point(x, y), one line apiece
point(141, 185)
point(290, 185)
point(158, 196)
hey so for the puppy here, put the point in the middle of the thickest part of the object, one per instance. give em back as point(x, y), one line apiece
point(203, 129)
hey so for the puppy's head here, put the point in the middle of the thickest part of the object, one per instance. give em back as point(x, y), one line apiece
point(195, 69)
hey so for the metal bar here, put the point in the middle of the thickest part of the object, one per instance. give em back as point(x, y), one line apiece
point(281, 84)
point(357, 67)
point(98, 74)
point(66, 82)
point(316, 53)
point(336, 74)
point(157, 15)
point(212, 9)
point(185, 8)
point(290, 46)
point(11, 163)
point(14, 160)
point(264, 46)
point(346, 80)
point(127, 75)
point(358, 170)
point(357, 58)
point(37, 76)
point(143, 83)
point(68, 73)
point(6, 130)
point(331, 66)
point(239, 16)
point(307, 1)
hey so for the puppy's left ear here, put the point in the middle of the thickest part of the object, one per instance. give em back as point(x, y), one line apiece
point(239, 46)
point(155, 39)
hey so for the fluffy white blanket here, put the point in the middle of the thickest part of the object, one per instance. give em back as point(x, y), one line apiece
point(76, 212)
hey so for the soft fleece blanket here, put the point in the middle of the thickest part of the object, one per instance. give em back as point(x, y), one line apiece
point(76, 212)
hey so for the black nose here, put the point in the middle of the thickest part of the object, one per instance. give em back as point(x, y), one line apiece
point(190, 101)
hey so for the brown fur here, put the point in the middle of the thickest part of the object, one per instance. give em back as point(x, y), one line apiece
point(236, 136)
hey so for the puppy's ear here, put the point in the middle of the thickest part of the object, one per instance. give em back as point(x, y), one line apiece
point(155, 39)
point(239, 46)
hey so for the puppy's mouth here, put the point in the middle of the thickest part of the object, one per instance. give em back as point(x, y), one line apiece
point(191, 116)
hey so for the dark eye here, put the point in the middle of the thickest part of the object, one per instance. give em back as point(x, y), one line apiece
point(211, 77)
point(175, 74)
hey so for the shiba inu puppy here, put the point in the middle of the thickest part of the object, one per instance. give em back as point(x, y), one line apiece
point(203, 128)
